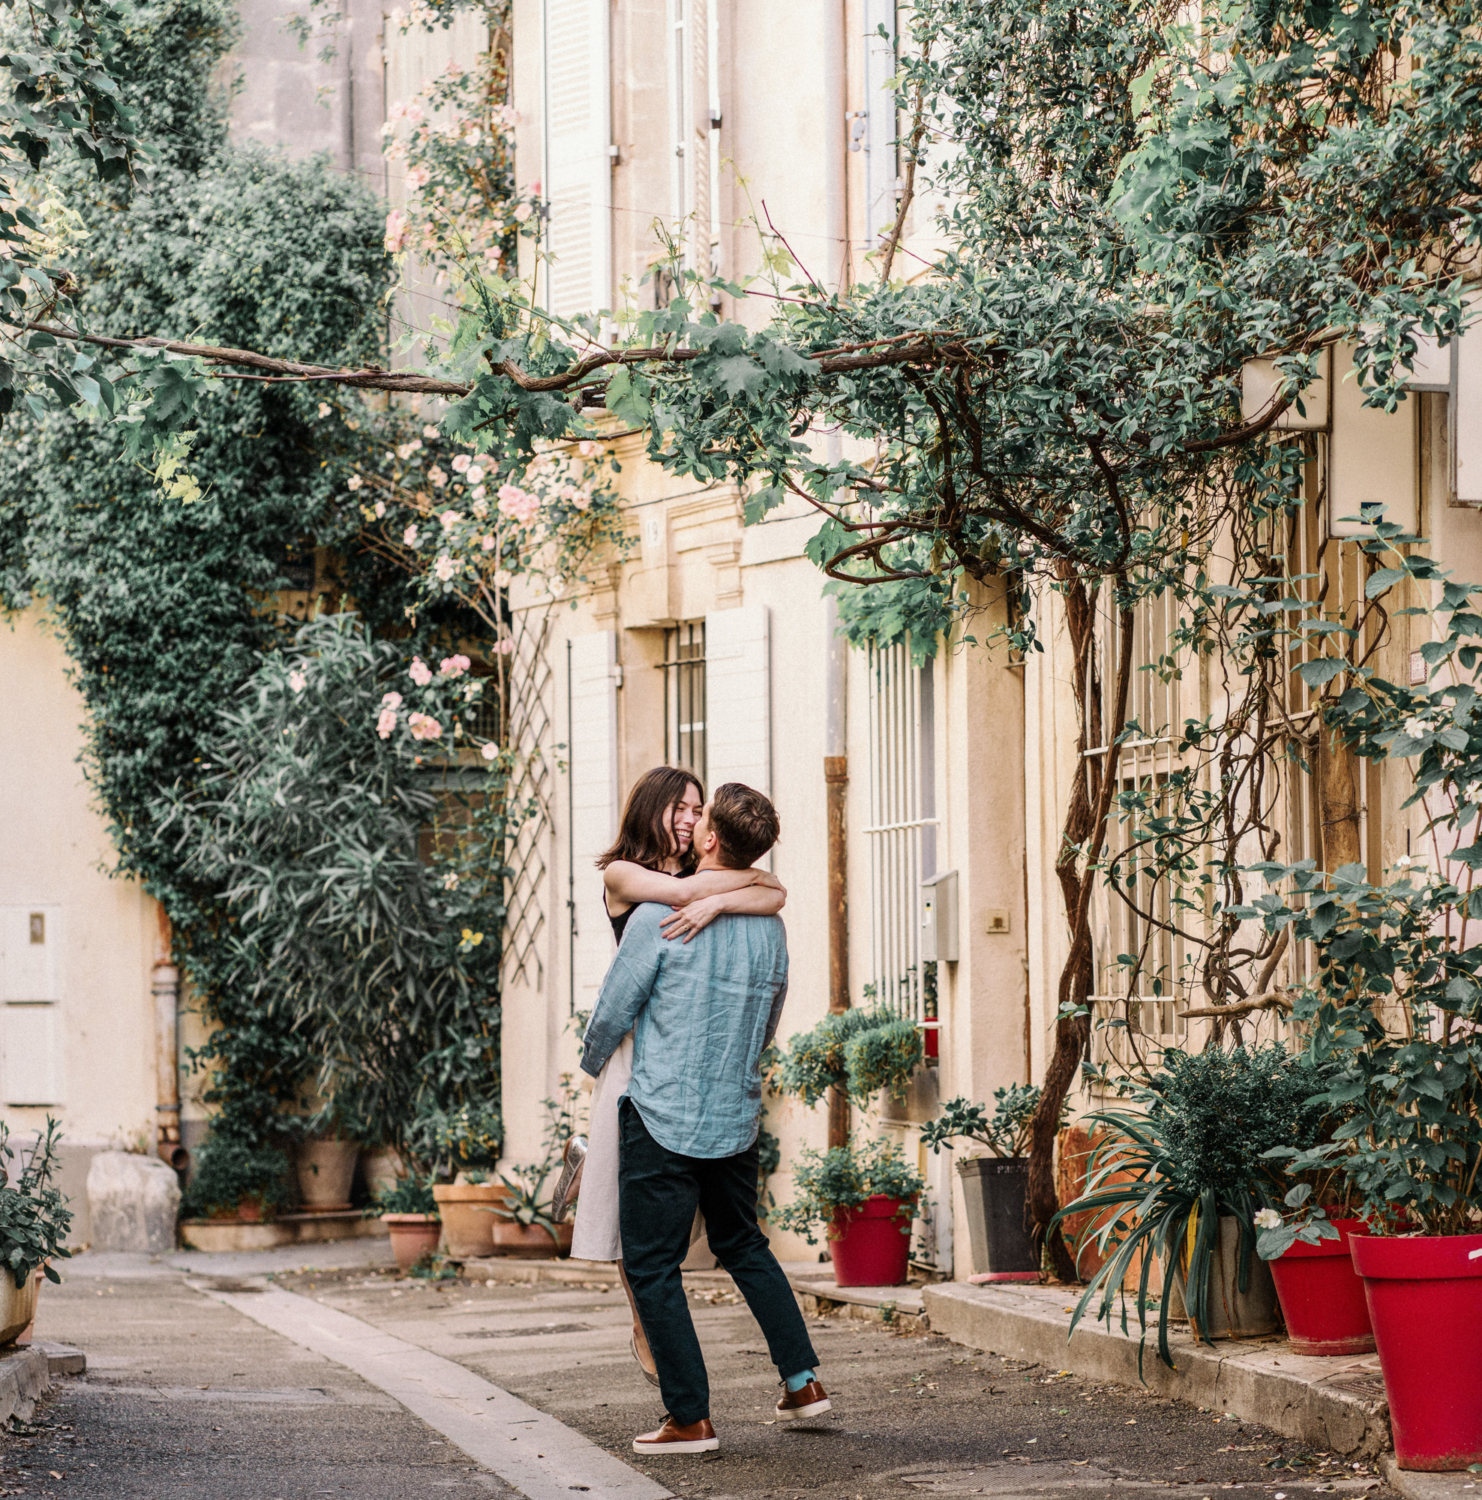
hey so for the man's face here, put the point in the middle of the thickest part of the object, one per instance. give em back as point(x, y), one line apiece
point(703, 834)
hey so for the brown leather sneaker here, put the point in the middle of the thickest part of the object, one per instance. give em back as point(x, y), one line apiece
point(698, 1437)
point(811, 1401)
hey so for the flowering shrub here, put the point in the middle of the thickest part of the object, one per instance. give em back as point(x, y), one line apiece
point(456, 138)
point(354, 874)
point(466, 524)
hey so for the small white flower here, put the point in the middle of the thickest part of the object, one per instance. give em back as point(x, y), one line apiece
point(354, 482)
point(474, 475)
point(1415, 728)
point(1268, 1218)
point(297, 681)
point(429, 431)
point(325, 408)
point(380, 509)
point(490, 750)
point(450, 881)
point(409, 536)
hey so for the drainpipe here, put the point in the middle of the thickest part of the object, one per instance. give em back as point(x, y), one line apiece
point(165, 987)
point(836, 786)
point(836, 649)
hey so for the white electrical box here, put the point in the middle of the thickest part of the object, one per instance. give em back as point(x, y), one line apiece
point(939, 918)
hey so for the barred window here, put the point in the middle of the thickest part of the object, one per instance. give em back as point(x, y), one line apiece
point(684, 696)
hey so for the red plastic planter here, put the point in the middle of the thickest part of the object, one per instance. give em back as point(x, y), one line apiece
point(1425, 1302)
point(871, 1244)
point(1322, 1297)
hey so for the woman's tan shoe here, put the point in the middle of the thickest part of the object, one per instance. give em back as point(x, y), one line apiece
point(652, 1376)
point(573, 1159)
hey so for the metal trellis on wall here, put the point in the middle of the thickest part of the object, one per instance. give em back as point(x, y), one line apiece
point(531, 716)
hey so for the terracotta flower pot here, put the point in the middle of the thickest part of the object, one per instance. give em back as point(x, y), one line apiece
point(412, 1236)
point(326, 1168)
point(1425, 1302)
point(530, 1242)
point(467, 1210)
point(1322, 1298)
point(17, 1306)
point(871, 1243)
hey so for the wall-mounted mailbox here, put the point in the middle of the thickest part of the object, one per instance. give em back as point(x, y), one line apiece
point(939, 918)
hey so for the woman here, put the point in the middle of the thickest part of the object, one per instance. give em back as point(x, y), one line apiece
point(651, 861)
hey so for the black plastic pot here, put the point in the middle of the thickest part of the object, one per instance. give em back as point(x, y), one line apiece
point(998, 1228)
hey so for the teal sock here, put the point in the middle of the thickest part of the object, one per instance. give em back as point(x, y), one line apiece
point(798, 1381)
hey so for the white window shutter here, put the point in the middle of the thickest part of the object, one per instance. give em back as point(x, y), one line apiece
point(578, 164)
point(738, 698)
point(1466, 414)
point(1375, 456)
point(881, 127)
point(592, 760)
point(30, 1018)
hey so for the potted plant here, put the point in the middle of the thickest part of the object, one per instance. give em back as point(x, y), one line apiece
point(237, 1180)
point(34, 1220)
point(883, 1059)
point(465, 1141)
point(523, 1225)
point(325, 1161)
point(1181, 1180)
point(819, 1060)
point(523, 1221)
point(996, 1186)
point(864, 1195)
point(1396, 1010)
point(409, 1213)
point(1322, 1298)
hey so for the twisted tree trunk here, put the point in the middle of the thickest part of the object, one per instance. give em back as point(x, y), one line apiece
point(1082, 838)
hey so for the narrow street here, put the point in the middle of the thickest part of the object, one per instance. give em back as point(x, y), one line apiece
point(189, 1397)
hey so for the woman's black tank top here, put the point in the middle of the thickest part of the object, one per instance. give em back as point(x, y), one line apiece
point(621, 922)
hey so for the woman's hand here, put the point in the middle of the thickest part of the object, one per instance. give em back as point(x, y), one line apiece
point(693, 917)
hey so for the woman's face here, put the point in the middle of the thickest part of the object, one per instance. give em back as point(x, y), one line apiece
point(682, 817)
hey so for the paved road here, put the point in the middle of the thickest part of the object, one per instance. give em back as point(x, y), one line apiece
point(188, 1398)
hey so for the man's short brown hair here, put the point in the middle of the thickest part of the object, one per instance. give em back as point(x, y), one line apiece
point(744, 821)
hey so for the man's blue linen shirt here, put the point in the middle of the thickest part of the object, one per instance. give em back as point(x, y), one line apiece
point(701, 1012)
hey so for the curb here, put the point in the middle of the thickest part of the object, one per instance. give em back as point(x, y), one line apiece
point(898, 1307)
point(506, 1270)
point(62, 1359)
point(24, 1376)
point(1260, 1381)
point(1414, 1484)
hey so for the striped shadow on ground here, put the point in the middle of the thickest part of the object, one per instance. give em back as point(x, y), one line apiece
point(541, 1457)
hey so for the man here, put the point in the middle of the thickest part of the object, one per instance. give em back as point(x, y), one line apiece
point(702, 1012)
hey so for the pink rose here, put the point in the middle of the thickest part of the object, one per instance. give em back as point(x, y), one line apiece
point(424, 727)
point(409, 536)
point(391, 700)
point(461, 463)
point(449, 518)
point(444, 568)
point(396, 231)
point(518, 504)
point(420, 672)
point(386, 724)
point(453, 666)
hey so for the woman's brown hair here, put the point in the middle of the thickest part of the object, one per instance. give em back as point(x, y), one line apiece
point(643, 838)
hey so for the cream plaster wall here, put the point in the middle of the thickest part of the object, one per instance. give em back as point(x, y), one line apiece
point(55, 852)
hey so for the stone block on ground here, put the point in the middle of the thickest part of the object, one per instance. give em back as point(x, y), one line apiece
point(133, 1202)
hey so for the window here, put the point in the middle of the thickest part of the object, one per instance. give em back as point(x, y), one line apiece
point(903, 826)
point(684, 696)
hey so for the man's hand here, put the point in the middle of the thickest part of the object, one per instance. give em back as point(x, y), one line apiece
point(688, 920)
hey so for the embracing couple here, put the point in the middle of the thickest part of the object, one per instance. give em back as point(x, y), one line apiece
point(674, 1043)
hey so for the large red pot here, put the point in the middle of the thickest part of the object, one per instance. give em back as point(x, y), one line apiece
point(1322, 1297)
point(1425, 1302)
point(871, 1243)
